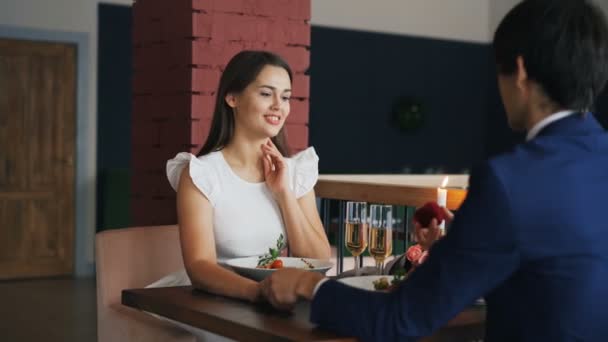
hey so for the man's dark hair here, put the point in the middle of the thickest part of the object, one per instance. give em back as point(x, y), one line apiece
point(564, 45)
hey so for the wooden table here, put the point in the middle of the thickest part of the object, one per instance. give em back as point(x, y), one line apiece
point(243, 321)
point(406, 190)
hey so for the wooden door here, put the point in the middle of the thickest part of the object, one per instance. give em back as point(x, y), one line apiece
point(37, 147)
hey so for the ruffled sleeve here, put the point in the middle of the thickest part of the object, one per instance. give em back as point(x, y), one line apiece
point(203, 173)
point(305, 171)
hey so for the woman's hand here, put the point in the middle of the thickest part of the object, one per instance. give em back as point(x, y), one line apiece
point(426, 236)
point(255, 294)
point(275, 170)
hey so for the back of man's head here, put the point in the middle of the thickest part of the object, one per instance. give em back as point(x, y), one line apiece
point(564, 45)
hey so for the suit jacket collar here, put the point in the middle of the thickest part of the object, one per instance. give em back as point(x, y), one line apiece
point(578, 124)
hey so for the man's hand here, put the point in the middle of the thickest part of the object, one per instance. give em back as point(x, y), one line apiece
point(284, 287)
point(426, 236)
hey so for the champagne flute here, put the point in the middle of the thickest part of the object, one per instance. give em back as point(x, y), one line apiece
point(381, 234)
point(356, 230)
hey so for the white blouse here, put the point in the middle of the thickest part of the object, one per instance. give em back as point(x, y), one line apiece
point(246, 218)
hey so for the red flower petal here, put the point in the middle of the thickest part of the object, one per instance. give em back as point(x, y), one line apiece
point(413, 253)
point(427, 212)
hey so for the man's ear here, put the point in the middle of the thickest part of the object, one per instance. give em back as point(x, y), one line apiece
point(521, 74)
point(230, 100)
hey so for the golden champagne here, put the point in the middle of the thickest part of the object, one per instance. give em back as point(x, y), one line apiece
point(380, 243)
point(356, 238)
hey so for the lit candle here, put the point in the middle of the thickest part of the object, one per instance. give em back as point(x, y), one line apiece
point(442, 198)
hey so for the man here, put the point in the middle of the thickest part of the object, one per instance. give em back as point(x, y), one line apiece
point(532, 235)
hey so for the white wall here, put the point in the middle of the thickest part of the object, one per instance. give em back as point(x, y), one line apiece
point(465, 20)
point(462, 20)
point(78, 16)
point(603, 4)
point(498, 9)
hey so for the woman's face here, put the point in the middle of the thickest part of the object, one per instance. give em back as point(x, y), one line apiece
point(262, 108)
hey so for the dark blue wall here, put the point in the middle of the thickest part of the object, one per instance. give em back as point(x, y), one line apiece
point(113, 116)
point(357, 76)
point(114, 87)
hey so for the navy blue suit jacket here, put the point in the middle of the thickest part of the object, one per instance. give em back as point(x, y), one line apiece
point(531, 237)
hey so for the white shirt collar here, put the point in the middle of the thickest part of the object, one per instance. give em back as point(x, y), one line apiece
point(532, 133)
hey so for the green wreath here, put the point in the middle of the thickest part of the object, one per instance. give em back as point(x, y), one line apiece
point(408, 114)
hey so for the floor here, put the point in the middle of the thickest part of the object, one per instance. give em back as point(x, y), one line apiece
point(50, 310)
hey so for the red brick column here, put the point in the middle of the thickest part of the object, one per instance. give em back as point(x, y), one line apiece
point(180, 49)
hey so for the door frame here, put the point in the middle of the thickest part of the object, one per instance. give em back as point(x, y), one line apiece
point(84, 192)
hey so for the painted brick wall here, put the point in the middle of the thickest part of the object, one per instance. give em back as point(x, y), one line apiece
point(180, 49)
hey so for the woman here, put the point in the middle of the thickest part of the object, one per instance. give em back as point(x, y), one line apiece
point(242, 192)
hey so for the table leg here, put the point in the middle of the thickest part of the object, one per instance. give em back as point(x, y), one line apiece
point(326, 218)
point(407, 218)
point(340, 237)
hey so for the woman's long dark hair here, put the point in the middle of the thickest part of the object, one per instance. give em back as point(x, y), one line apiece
point(241, 71)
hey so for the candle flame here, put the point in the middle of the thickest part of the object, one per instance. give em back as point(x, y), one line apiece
point(445, 181)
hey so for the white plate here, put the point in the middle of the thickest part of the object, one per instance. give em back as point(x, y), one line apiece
point(247, 266)
point(367, 283)
point(364, 282)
